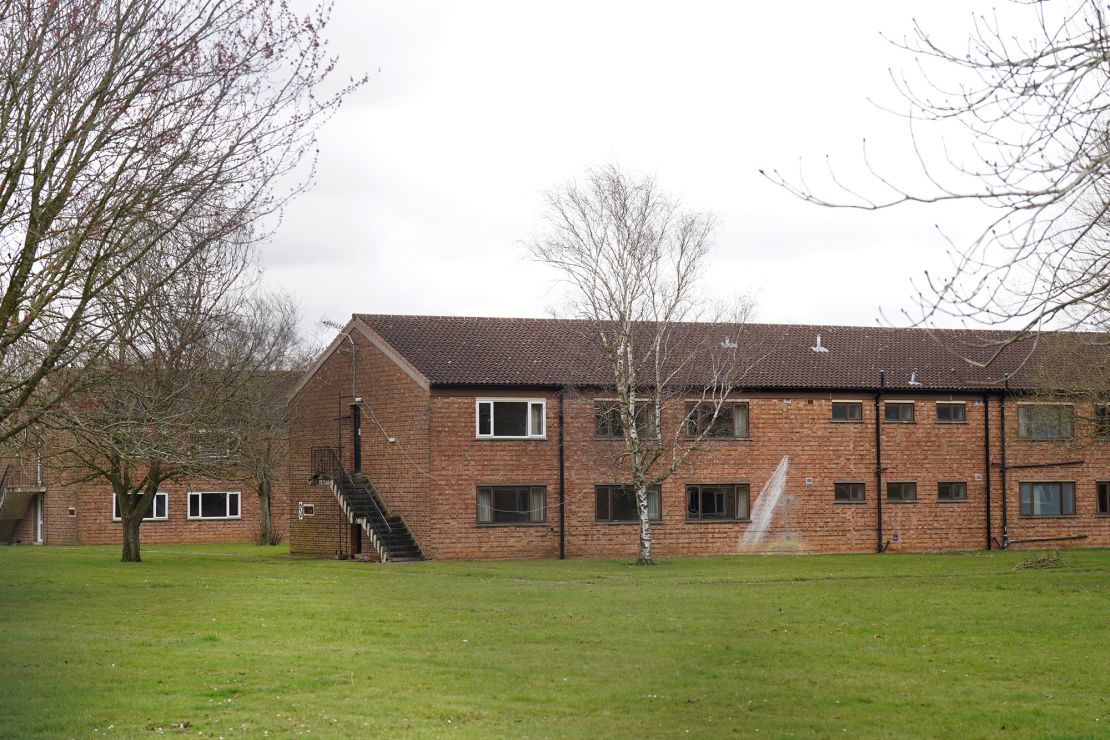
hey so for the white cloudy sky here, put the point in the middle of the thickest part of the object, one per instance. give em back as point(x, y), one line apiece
point(431, 175)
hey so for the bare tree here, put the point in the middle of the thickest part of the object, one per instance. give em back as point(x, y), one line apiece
point(632, 258)
point(1029, 101)
point(162, 407)
point(262, 408)
point(126, 126)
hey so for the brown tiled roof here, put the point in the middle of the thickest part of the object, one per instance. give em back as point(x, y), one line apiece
point(453, 351)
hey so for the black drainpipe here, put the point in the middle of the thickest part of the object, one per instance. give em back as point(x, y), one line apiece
point(879, 467)
point(1002, 439)
point(987, 459)
point(562, 484)
point(356, 438)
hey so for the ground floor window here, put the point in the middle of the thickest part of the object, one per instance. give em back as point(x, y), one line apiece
point(618, 504)
point(1048, 499)
point(716, 502)
point(511, 504)
point(848, 492)
point(1103, 489)
point(159, 508)
point(950, 490)
point(214, 505)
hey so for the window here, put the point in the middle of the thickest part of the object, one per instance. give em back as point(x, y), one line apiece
point(1102, 421)
point(511, 504)
point(512, 419)
point(213, 504)
point(1044, 421)
point(951, 413)
point(901, 491)
point(847, 411)
point(158, 509)
point(731, 421)
point(607, 418)
point(951, 490)
point(618, 504)
point(848, 493)
point(717, 502)
point(1047, 499)
point(898, 411)
point(1103, 497)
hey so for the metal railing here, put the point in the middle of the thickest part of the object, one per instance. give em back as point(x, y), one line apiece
point(326, 464)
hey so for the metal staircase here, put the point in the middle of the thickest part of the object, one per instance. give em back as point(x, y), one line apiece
point(391, 539)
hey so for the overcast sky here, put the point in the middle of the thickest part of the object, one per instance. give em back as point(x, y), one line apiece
point(431, 175)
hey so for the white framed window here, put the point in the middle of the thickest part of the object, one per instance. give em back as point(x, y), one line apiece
point(214, 505)
point(159, 508)
point(510, 418)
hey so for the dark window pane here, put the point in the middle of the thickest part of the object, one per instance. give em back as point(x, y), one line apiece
point(159, 506)
point(510, 505)
point(194, 505)
point(233, 504)
point(624, 505)
point(1104, 498)
point(951, 491)
point(601, 504)
point(213, 505)
point(484, 417)
point(1102, 422)
point(510, 419)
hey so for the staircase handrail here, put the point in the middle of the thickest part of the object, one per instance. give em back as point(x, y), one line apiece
point(326, 463)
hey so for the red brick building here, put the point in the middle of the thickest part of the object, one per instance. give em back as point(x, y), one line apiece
point(481, 438)
point(39, 506)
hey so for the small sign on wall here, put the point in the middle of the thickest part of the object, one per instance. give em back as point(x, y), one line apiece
point(304, 510)
point(809, 481)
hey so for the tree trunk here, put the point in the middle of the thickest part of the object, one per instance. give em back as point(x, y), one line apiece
point(131, 539)
point(266, 533)
point(645, 527)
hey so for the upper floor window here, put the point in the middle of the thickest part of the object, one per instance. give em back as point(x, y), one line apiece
point(731, 420)
point(1102, 490)
point(1044, 421)
point(1047, 499)
point(951, 412)
point(618, 504)
point(607, 419)
point(848, 492)
point(159, 508)
point(901, 491)
point(898, 411)
point(1102, 421)
point(951, 490)
point(847, 410)
point(515, 418)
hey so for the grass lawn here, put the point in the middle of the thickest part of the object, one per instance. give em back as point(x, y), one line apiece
point(240, 640)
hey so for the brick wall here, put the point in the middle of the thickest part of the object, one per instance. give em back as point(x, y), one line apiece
point(432, 474)
point(393, 405)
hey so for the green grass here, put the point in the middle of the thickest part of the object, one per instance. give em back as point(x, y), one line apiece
point(238, 640)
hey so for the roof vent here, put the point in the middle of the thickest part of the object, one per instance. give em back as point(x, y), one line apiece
point(913, 378)
point(817, 347)
point(728, 343)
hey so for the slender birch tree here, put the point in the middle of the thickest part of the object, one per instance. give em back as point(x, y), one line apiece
point(631, 258)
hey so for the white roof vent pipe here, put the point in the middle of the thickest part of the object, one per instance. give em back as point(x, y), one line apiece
point(817, 347)
point(913, 378)
point(728, 343)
